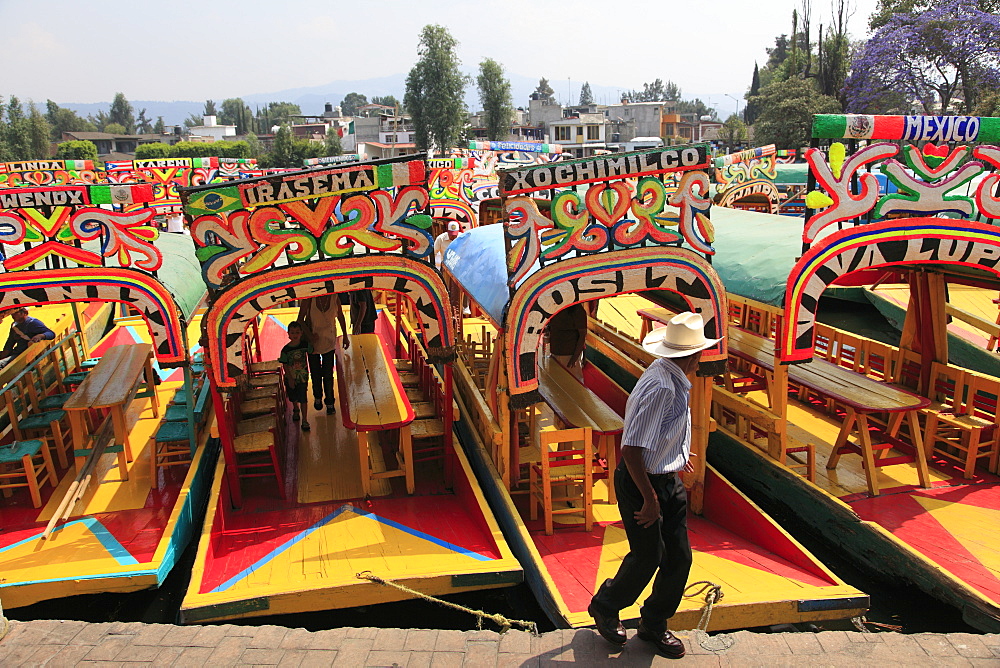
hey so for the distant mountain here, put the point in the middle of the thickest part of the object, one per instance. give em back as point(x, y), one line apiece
point(313, 98)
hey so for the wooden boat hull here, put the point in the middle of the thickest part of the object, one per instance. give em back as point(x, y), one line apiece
point(307, 557)
point(131, 545)
point(818, 595)
point(867, 543)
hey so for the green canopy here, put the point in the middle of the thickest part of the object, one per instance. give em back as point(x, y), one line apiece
point(792, 175)
point(754, 252)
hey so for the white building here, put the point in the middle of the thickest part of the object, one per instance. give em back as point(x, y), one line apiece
point(211, 131)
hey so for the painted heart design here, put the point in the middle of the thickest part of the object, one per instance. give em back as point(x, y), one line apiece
point(937, 151)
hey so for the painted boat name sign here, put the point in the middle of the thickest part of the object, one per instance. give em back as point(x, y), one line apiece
point(590, 170)
point(909, 128)
point(312, 184)
point(30, 199)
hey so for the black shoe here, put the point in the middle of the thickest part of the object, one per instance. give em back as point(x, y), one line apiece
point(318, 404)
point(331, 409)
point(667, 645)
point(610, 627)
point(305, 426)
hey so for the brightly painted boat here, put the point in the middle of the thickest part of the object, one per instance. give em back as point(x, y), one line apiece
point(588, 250)
point(263, 243)
point(69, 250)
point(938, 535)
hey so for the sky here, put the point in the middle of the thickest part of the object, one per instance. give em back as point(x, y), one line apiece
point(72, 51)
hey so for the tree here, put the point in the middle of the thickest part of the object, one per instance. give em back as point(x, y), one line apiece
point(586, 95)
point(835, 52)
point(989, 105)
point(121, 112)
point(734, 132)
point(254, 148)
point(786, 111)
point(750, 111)
point(696, 107)
point(158, 127)
point(65, 120)
point(387, 101)
point(210, 108)
point(351, 103)
point(495, 96)
point(39, 133)
point(331, 143)
point(152, 151)
point(193, 121)
point(283, 149)
point(77, 150)
point(142, 124)
point(945, 58)
point(544, 90)
point(234, 111)
point(115, 129)
point(17, 135)
point(435, 90)
point(99, 121)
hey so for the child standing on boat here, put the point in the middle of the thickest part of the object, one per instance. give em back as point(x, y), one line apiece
point(294, 358)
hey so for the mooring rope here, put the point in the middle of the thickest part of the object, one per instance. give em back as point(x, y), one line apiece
point(713, 594)
point(498, 619)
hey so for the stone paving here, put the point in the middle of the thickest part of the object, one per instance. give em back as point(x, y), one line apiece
point(60, 643)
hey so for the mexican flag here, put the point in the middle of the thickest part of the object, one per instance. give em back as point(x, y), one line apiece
point(349, 130)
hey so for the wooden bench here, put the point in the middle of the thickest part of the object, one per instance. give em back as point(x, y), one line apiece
point(372, 398)
point(577, 406)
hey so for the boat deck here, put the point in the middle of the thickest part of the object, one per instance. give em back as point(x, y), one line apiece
point(124, 536)
point(304, 553)
point(766, 577)
point(952, 524)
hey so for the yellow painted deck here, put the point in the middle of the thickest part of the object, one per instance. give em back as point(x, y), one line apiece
point(304, 553)
point(123, 536)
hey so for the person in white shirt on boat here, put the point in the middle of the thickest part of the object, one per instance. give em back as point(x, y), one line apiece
point(656, 446)
point(320, 317)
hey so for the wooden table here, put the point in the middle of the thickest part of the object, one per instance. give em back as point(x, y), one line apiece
point(651, 315)
point(372, 399)
point(113, 384)
point(578, 406)
point(860, 395)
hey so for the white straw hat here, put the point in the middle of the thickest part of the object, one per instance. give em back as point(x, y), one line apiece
point(684, 335)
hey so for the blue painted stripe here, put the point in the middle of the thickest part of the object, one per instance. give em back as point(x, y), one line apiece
point(329, 518)
point(106, 539)
point(282, 548)
point(278, 323)
point(426, 536)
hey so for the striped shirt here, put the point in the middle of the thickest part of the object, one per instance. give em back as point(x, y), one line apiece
point(658, 417)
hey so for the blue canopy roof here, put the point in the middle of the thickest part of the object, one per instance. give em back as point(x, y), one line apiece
point(477, 261)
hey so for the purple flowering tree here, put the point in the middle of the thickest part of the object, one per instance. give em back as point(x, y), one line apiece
point(944, 59)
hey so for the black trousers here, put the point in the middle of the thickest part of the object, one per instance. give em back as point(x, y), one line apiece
point(321, 372)
point(663, 548)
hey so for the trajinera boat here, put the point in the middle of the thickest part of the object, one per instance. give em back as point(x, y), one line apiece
point(305, 521)
point(544, 440)
point(88, 502)
point(906, 438)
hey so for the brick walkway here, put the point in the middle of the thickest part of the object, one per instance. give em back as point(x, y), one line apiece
point(55, 643)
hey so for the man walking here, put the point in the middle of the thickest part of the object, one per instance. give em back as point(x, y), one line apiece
point(656, 445)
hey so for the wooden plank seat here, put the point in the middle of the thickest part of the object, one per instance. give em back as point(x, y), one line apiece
point(266, 392)
point(257, 407)
point(257, 457)
point(577, 406)
point(256, 425)
point(423, 409)
point(264, 380)
point(175, 413)
point(409, 379)
point(27, 464)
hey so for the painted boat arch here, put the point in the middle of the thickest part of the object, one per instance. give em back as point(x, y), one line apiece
point(239, 304)
point(581, 279)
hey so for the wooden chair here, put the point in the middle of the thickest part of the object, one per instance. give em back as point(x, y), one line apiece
point(968, 432)
point(563, 468)
point(255, 444)
point(27, 464)
point(28, 422)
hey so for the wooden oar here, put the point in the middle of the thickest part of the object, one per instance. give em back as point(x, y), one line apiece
point(76, 489)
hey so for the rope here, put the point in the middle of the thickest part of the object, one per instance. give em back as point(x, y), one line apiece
point(498, 619)
point(713, 594)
